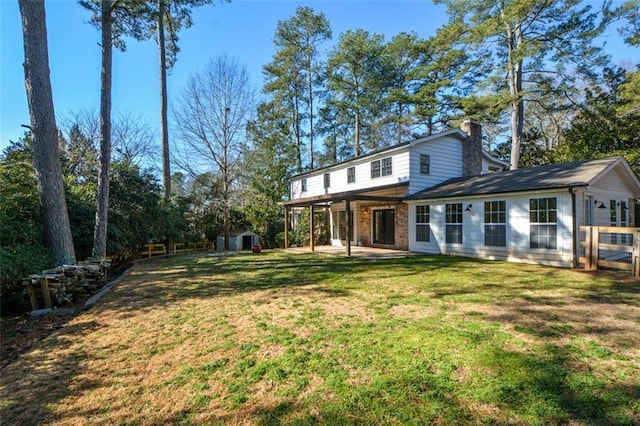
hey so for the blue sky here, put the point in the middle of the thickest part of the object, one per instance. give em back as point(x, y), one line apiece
point(243, 29)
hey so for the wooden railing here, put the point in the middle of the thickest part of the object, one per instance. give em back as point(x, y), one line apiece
point(183, 247)
point(150, 250)
point(610, 247)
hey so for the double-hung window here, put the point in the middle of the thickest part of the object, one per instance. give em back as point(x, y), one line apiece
point(453, 223)
point(495, 224)
point(375, 169)
point(386, 167)
point(543, 223)
point(382, 167)
point(423, 229)
point(425, 164)
point(351, 175)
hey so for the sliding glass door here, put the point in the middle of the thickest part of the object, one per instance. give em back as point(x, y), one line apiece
point(384, 226)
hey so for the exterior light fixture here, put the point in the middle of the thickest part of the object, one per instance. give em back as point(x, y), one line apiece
point(601, 205)
point(468, 209)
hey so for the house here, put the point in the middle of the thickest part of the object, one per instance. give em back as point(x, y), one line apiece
point(238, 240)
point(444, 194)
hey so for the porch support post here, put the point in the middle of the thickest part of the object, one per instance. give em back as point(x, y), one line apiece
point(286, 228)
point(311, 226)
point(348, 207)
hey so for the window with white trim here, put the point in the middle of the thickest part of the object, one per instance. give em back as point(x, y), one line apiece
point(303, 184)
point(423, 228)
point(351, 175)
point(375, 169)
point(453, 223)
point(327, 180)
point(495, 223)
point(543, 223)
point(425, 164)
point(386, 167)
point(382, 167)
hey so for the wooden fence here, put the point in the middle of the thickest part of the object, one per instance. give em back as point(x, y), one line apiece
point(610, 247)
point(150, 250)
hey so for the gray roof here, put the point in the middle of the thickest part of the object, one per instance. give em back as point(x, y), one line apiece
point(554, 176)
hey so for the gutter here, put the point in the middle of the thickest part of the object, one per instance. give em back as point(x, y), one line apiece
point(575, 226)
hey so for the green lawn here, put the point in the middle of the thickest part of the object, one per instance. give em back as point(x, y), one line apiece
point(300, 339)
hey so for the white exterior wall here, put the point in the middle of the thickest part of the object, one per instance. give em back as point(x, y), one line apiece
point(445, 161)
point(315, 180)
point(517, 230)
point(611, 187)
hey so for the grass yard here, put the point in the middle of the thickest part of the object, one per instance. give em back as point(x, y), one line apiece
point(304, 339)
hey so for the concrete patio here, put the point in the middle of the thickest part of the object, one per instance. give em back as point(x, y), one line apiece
point(356, 251)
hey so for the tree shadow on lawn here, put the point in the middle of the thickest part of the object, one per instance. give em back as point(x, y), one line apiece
point(191, 277)
point(167, 281)
point(542, 388)
point(548, 387)
point(35, 381)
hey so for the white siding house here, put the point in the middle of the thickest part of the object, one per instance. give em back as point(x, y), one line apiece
point(443, 194)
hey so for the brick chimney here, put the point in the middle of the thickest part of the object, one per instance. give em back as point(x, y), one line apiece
point(472, 149)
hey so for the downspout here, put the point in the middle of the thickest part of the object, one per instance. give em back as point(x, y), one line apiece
point(575, 227)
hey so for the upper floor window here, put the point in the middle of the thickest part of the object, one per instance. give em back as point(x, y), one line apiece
point(381, 168)
point(386, 167)
point(425, 164)
point(327, 180)
point(453, 223)
point(495, 223)
point(303, 185)
point(422, 224)
point(351, 175)
point(375, 169)
point(543, 227)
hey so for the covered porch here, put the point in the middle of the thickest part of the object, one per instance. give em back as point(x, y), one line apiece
point(357, 219)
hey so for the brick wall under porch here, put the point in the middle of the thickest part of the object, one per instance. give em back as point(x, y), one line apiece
point(401, 225)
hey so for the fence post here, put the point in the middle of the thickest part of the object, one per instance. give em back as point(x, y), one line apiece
point(149, 248)
point(595, 243)
point(587, 248)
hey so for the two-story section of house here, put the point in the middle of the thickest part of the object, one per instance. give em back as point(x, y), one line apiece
point(437, 194)
point(364, 196)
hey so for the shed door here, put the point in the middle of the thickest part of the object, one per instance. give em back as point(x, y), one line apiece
point(247, 242)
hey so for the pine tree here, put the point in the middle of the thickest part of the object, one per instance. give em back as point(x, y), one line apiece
point(57, 229)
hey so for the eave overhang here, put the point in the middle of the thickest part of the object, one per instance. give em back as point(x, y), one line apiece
point(368, 194)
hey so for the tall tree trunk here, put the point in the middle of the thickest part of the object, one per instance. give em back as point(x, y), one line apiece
point(514, 40)
point(225, 177)
point(356, 130)
point(296, 132)
point(310, 94)
point(100, 230)
point(164, 126)
point(164, 123)
point(57, 230)
point(356, 133)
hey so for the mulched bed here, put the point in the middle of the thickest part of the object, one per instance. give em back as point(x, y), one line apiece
point(20, 333)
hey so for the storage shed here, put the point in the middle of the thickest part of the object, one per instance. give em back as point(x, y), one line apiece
point(238, 240)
